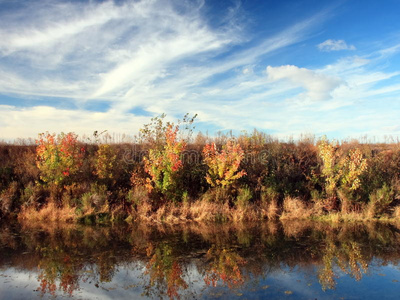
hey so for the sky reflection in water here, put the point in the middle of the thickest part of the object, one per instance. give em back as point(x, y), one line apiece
point(293, 260)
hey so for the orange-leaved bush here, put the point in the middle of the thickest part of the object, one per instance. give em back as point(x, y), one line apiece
point(163, 165)
point(58, 157)
point(223, 166)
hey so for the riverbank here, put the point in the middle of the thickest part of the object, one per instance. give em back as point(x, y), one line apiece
point(205, 212)
point(169, 176)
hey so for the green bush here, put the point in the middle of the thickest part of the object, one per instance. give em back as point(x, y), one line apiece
point(243, 198)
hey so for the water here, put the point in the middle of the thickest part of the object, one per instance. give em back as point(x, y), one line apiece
point(294, 260)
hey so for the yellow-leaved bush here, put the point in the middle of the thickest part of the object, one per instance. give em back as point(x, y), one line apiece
point(104, 161)
point(223, 166)
point(341, 171)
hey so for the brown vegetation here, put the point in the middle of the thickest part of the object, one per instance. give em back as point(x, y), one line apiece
point(169, 177)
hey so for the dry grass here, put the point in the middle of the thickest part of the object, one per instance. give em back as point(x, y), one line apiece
point(200, 211)
point(396, 214)
point(206, 211)
point(50, 213)
point(370, 210)
point(248, 213)
point(294, 208)
point(269, 204)
point(332, 217)
point(270, 210)
point(318, 209)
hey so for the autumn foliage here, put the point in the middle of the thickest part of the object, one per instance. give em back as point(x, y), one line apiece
point(58, 156)
point(165, 171)
point(341, 170)
point(223, 166)
point(163, 165)
point(104, 161)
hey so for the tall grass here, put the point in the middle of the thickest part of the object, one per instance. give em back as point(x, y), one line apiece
point(49, 213)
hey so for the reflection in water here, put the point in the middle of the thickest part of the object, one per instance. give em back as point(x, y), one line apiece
point(55, 265)
point(224, 265)
point(165, 271)
point(200, 261)
point(347, 256)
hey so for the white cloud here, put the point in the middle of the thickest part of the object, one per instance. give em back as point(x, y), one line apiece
point(247, 70)
point(335, 45)
point(318, 86)
point(28, 122)
point(100, 49)
point(55, 27)
point(389, 51)
point(166, 57)
point(160, 55)
point(339, 98)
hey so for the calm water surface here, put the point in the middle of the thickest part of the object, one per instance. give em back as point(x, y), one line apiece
point(292, 260)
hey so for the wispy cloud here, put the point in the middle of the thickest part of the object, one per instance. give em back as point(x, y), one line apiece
point(98, 48)
point(288, 100)
point(167, 56)
point(160, 55)
point(335, 45)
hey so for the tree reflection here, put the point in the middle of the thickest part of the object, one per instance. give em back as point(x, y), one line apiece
point(106, 264)
point(56, 266)
point(224, 265)
point(347, 256)
point(171, 259)
point(164, 270)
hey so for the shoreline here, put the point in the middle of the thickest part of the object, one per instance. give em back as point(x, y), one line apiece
point(203, 212)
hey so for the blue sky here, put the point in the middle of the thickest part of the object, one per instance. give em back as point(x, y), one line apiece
point(284, 67)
